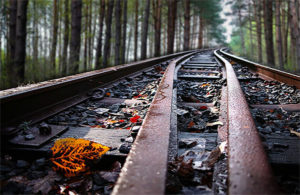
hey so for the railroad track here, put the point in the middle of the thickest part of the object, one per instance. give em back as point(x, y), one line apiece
point(179, 124)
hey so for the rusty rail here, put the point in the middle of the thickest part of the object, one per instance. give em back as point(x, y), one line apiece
point(41, 102)
point(145, 168)
point(249, 170)
point(285, 77)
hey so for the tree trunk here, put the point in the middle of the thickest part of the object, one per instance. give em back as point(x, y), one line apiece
point(75, 36)
point(241, 31)
point(145, 30)
point(295, 32)
point(157, 26)
point(54, 35)
point(268, 23)
point(86, 34)
point(90, 35)
point(12, 39)
point(250, 26)
point(117, 32)
point(136, 29)
point(20, 50)
point(257, 10)
point(99, 44)
point(108, 22)
point(172, 9)
point(278, 35)
point(285, 28)
point(187, 17)
point(200, 37)
point(66, 39)
point(123, 50)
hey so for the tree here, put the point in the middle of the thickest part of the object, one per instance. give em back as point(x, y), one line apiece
point(20, 50)
point(108, 22)
point(136, 29)
point(268, 24)
point(99, 44)
point(257, 13)
point(187, 17)
point(145, 30)
point(157, 26)
point(123, 50)
point(295, 32)
point(12, 38)
point(278, 35)
point(172, 9)
point(66, 38)
point(117, 32)
point(76, 6)
point(54, 35)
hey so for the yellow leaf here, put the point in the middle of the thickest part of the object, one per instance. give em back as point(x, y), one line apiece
point(69, 155)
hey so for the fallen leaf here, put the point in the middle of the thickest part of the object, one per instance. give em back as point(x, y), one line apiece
point(203, 108)
point(214, 124)
point(134, 119)
point(69, 155)
point(191, 124)
point(294, 132)
point(108, 94)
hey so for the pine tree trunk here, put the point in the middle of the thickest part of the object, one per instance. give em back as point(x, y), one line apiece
point(295, 33)
point(157, 26)
point(117, 32)
point(285, 29)
point(145, 30)
point(172, 9)
point(12, 38)
point(99, 43)
point(90, 35)
point(250, 26)
point(76, 6)
point(20, 50)
point(136, 29)
point(86, 26)
point(66, 39)
point(35, 38)
point(257, 13)
point(268, 23)
point(123, 50)
point(108, 22)
point(54, 35)
point(241, 31)
point(278, 35)
point(187, 17)
point(200, 37)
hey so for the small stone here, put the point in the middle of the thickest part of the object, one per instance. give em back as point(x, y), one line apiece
point(22, 164)
point(129, 139)
point(187, 143)
point(29, 137)
point(125, 148)
point(135, 129)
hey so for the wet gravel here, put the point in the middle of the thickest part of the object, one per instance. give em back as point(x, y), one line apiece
point(270, 92)
point(205, 91)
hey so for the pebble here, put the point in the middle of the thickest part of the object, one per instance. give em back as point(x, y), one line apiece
point(125, 148)
point(22, 164)
point(29, 137)
point(135, 129)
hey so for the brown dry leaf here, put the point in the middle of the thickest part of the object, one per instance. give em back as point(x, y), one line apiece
point(294, 132)
point(70, 155)
point(191, 124)
point(214, 124)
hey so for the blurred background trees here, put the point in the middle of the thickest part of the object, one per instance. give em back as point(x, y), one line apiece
point(46, 39)
point(267, 31)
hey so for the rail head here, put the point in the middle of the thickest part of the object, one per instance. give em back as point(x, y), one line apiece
point(285, 77)
point(249, 170)
point(144, 171)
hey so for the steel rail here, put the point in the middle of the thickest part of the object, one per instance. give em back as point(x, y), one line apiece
point(249, 170)
point(38, 103)
point(285, 77)
point(144, 171)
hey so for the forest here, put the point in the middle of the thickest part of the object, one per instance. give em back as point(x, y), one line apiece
point(46, 39)
point(268, 32)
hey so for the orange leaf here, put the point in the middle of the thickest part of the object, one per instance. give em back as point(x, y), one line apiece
point(107, 94)
point(69, 155)
point(191, 124)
